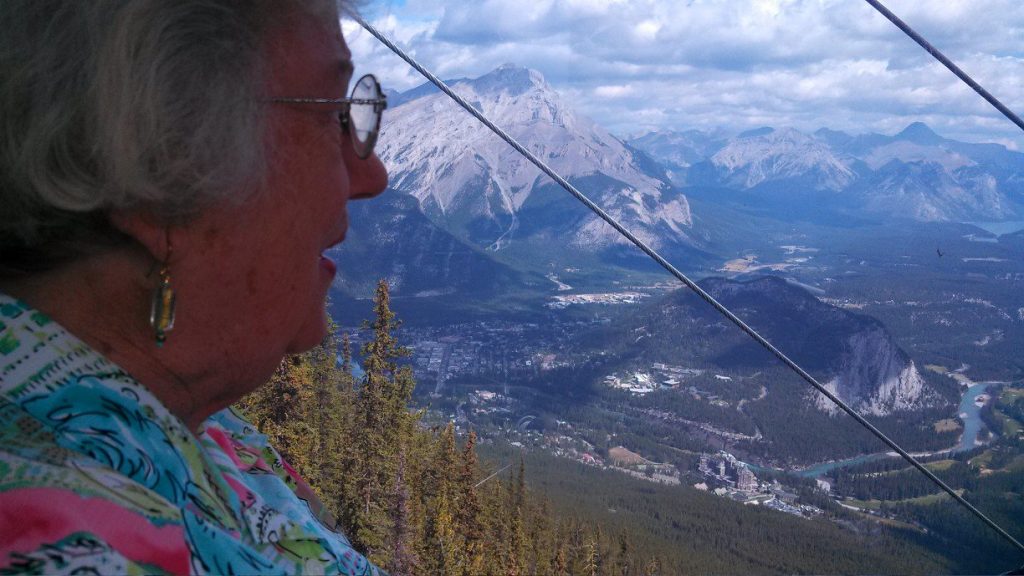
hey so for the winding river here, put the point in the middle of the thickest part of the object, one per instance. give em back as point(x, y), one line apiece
point(970, 414)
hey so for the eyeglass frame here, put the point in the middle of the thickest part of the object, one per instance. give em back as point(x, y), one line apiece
point(380, 104)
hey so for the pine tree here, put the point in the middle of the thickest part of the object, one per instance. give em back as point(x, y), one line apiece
point(326, 414)
point(403, 558)
point(561, 562)
point(515, 521)
point(445, 542)
point(385, 427)
point(346, 354)
point(468, 512)
point(519, 496)
point(543, 540)
point(590, 558)
point(624, 556)
point(576, 547)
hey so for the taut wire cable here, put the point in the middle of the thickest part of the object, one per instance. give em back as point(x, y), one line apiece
point(679, 275)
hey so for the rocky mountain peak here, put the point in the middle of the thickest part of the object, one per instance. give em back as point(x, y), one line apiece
point(509, 78)
point(469, 181)
point(920, 133)
point(769, 154)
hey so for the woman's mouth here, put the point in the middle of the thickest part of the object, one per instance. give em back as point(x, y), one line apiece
point(328, 265)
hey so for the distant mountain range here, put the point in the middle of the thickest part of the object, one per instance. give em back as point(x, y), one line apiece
point(475, 197)
point(915, 175)
point(473, 185)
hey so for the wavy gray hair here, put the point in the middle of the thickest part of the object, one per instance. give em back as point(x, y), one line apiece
point(125, 104)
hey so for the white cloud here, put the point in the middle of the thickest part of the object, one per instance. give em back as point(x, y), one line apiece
point(619, 91)
point(733, 64)
point(647, 30)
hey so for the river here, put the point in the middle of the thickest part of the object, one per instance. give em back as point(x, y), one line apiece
point(970, 414)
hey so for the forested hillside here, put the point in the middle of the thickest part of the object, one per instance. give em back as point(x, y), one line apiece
point(407, 495)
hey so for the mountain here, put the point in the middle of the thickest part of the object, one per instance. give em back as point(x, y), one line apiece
point(390, 238)
point(915, 174)
point(851, 354)
point(945, 188)
point(474, 185)
point(680, 150)
point(785, 155)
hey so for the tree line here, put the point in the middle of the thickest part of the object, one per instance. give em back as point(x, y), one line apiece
point(407, 495)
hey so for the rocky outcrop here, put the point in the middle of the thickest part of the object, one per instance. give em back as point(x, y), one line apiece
point(874, 376)
point(852, 354)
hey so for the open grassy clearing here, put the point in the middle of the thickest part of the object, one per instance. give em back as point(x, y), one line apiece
point(621, 455)
point(931, 498)
point(940, 465)
point(864, 504)
point(1010, 395)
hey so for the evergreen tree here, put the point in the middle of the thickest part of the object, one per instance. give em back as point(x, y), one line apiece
point(385, 425)
point(403, 558)
point(624, 556)
point(561, 559)
point(590, 557)
point(346, 354)
point(443, 546)
point(468, 512)
point(543, 540)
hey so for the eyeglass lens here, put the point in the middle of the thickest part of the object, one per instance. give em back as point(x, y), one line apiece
point(365, 117)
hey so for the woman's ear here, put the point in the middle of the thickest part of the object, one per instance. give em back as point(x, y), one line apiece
point(147, 230)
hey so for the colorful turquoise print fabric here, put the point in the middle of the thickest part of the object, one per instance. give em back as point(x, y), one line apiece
point(96, 476)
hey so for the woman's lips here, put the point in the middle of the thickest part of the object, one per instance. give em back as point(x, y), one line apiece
point(328, 265)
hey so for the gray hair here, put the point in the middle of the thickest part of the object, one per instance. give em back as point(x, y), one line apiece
point(125, 104)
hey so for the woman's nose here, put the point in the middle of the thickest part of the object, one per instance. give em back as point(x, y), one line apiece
point(367, 177)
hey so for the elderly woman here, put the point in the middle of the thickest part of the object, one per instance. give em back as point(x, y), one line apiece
point(171, 174)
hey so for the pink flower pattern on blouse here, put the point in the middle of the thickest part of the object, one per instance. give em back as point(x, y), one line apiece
point(97, 476)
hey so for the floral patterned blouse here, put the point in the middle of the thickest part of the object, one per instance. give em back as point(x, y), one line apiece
point(97, 476)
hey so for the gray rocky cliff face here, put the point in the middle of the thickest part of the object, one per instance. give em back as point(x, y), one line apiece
point(853, 355)
point(875, 377)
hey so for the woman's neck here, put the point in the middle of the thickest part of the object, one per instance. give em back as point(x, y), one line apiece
point(104, 301)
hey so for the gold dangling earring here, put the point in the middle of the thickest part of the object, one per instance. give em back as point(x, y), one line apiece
point(161, 311)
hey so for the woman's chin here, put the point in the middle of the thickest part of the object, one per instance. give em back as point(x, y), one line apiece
point(311, 336)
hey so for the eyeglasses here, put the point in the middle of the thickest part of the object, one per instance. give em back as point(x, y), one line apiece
point(360, 113)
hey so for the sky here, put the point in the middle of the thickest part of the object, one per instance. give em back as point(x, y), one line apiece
point(641, 65)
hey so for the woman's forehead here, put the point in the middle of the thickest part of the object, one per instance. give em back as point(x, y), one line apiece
point(308, 57)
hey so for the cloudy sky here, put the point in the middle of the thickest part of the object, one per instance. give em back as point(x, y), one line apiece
point(638, 65)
